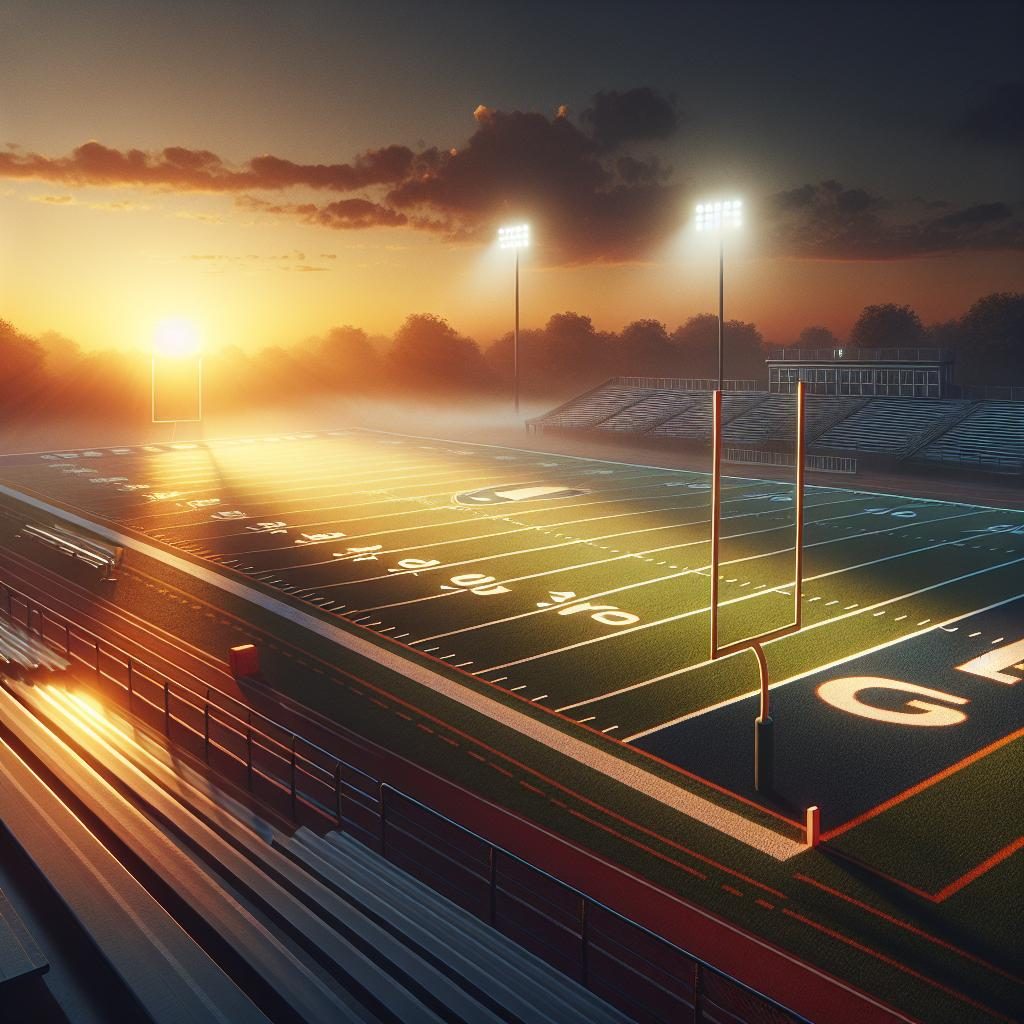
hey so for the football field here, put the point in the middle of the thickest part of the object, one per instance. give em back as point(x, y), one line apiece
point(573, 594)
point(582, 586)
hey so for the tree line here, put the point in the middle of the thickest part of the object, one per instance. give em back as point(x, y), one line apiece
point(51, 375)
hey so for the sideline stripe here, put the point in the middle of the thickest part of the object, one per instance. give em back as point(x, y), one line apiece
point(751, 833)
point(976, 872)
point(900, 923)
point(924, 783)
point(839, 936)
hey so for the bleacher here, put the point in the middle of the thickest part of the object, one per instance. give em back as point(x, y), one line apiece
point(199, 909)
point(592, 407)
point(991, 436)
point(987, 435)
point(888, 425)
point(694, 422)
point(649, 411)
point(774, 419)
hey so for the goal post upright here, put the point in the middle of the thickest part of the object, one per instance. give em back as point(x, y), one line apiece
point(763, 724)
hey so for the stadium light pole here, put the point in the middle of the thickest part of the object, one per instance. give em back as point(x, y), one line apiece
point(515, 236)
point(718, 217)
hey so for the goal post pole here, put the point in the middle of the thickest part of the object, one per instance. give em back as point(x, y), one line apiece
point(764, 740)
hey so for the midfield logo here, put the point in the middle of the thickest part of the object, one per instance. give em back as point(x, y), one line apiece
point(505, 493)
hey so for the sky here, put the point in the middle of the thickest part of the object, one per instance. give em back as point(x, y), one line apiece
point(271, 170)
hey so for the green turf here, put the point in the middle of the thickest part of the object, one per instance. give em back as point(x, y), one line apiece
point(641, 533)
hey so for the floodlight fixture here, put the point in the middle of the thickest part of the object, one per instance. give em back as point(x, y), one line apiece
point(717, 217)
point(514, 236)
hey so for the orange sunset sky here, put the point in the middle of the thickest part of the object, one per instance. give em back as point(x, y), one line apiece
point(269, 171)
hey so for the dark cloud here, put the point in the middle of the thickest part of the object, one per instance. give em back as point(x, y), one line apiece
point(618, 117)
point(828, 221)
point(526, 165)
point(342, 214)
point(590, 196)
point(997, 118)
point(199, 170)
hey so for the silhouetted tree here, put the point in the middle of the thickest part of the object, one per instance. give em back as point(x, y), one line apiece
point(429, 354)
point(643, 350)
point(697, 341)
point(817, 337)
point(887, 326)
point(341, 360)
point(22, 367)
point(575, 354)
point(991, 340)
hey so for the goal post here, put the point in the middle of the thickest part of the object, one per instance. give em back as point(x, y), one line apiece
point(763, 724)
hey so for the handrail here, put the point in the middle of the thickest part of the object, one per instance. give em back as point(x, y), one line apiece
point(993, 392)
point(587, 901)
point(300, 754)
point(861, 355)
point(377, 789)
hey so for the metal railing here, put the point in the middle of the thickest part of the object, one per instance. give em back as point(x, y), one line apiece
point(686, 384)
point(861, 355)
point(993, 463)
point(210, 717)
point(992, 393)
point(296, 763)
point(757, 457)
point(587, 905)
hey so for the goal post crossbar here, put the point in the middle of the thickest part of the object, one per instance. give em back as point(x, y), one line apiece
point(754, 642)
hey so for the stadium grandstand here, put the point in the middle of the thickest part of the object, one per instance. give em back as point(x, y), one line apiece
point(171, 856)
point(877, 407)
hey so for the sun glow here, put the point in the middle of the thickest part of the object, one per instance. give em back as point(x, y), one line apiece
point(176, 338)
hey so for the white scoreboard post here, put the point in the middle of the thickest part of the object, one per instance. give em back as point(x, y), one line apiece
point(763, 726)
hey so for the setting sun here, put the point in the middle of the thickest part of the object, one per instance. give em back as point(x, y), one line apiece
point(176, 337)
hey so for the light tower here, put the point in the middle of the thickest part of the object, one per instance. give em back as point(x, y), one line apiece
point(719, 217)
point(515, 236)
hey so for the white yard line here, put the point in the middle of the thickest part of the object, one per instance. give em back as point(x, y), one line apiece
point(597, 562)
point(699, 570)
point(746, 597)
point(594, 541)
point(542, 507)
point(838, 661)
point(605, 762)
point(537, 528)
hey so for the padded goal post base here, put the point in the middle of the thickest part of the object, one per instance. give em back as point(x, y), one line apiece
point(764, 754)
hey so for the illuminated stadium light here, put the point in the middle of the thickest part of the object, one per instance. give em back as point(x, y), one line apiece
point(515, 236)
point(175, 338)
point(716, 217)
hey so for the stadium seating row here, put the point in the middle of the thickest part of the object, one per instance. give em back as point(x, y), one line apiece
point(305, 927)
point(987, 434)
point(992, 432)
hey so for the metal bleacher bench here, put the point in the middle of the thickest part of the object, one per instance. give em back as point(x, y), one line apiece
point(95, 553)
point(19, 954)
